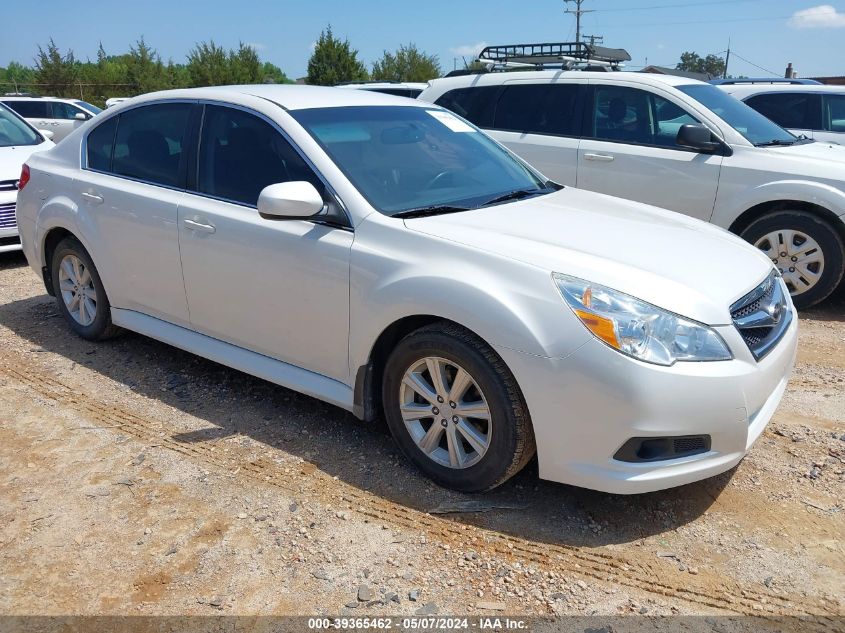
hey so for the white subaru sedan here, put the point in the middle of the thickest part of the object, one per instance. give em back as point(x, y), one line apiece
point(385, 256)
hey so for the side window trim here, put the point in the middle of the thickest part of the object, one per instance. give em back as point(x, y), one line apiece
point(194, 154)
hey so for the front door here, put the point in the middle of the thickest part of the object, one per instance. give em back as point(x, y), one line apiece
point(276, 287)
point(629, 151)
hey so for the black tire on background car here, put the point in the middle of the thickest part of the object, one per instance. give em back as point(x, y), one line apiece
point(455, 409)
point(807, 250)
point(80, 295)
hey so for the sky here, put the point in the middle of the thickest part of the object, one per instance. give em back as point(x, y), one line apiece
point(764, 35)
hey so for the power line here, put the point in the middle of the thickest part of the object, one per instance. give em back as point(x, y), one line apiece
point(771, 72)
point(577, 12)
point(674, 6)
point(719, 21)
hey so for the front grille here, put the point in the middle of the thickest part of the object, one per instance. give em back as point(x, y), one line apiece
point(763, 316)
point(9, 185)
point(7, 216)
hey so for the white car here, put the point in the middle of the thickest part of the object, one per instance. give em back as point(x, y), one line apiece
point(58, 116)
point(18, 141)
point(678, 144)
point(396, 88)
point(814, 111)
point(383, 255)
point(115, 100)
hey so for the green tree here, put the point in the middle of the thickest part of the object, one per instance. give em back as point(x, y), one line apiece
point(406, 64)
point(208, 65)
point(56, 72)
point(144, 69)
point(245, 66)
point(272, 74)
point(16, 77)
point(712, 65)
point(334, 61)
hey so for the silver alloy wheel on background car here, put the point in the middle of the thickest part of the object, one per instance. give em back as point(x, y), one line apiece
point(798, 257)
point(445, 412)
point(77, 288)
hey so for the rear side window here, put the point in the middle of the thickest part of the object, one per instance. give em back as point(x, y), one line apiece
point(149, 142)
point(797, 110)
point(30, 109)
point(834, 113)
point(240, 154)
point(539, 109)
point(474, 104)
point(100, 144)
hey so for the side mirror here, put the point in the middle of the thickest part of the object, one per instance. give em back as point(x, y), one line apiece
point(298, 200)
point(697, 137)
point(47, 134)
point(81, 116)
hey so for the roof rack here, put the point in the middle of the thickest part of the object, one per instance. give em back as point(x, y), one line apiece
point(566, 55)
point(366, 82)
point(765, 80)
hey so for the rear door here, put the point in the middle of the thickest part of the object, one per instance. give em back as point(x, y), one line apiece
point(64, 119)
point(798, 112)
point(629, 150)
point(35, 111)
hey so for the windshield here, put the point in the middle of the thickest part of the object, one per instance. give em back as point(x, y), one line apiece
point(87, 106)
point(405, 159)
point(14, 131)
point(751, 124)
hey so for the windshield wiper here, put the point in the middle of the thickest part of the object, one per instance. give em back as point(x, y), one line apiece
point(439, 209)
point(517, 194)
point(774, 142)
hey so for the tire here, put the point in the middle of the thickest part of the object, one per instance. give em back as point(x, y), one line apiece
point(98, 328)
point(830, 263)
point(508, 432)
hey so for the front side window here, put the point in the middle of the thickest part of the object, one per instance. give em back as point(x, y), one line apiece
point(756, 128)
point(630, 115)
point(240, 154)
point(65, 111)
point(834, 113)
point(474, 104)
point(149, 141)
point(538, 109)
point(406, 159)
point(34, 109)
point(799, 110)
point(14, 131)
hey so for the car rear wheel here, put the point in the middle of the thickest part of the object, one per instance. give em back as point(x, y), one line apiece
point(80, 295)
point(805, 248)
point(455, 409)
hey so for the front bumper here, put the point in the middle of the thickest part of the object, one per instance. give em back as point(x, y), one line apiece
point(586, 406)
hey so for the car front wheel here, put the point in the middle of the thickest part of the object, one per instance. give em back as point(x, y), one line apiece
point(805, 248)
point(455, 409)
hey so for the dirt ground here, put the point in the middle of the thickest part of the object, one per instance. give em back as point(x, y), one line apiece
point(135, 478)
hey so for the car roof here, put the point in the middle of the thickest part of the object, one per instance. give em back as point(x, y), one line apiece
point(542, 76)
point(288, 96)
point(746, 90)
point(23, 98)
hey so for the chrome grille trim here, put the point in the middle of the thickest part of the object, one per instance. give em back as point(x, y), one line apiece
point(7, 216)
point(9, 185)
point(763, 315)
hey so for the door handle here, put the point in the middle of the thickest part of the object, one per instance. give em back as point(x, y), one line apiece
point(92, 197)
point(199, 227)
point(599, 158)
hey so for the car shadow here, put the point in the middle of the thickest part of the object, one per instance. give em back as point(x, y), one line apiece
point(362, 455)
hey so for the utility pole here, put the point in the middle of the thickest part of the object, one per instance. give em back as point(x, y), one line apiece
point(577, 12)
point(727, 60)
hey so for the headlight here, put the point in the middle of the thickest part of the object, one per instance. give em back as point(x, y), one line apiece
point(637, 328)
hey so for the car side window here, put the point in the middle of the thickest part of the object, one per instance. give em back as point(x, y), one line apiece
point(240, 154)
point(64, 111)
point(99, 145)
point(29, 109)
point(149, 140)
point(538, 109)
point(476, 105)
point(630, 115)
point(789, 109)
point(834, 113)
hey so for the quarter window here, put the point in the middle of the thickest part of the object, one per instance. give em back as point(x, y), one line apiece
point(538, 109)
point(629, 115)
point(100, 144)
point(149, 141)
point(789, 109)
point(476, 105)
point(240, 154)
point(834, 113)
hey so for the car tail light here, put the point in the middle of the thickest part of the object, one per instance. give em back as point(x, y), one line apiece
point(24, 177)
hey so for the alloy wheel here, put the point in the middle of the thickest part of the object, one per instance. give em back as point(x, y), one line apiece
point(77, 290)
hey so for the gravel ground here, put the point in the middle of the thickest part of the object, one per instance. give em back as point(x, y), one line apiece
point(135, 478)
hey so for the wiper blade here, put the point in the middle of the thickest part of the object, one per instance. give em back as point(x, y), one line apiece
point(518, 194)
point(421, 212)
point(774, 142)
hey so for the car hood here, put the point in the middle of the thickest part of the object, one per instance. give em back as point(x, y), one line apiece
point(12, 158)
point(677, 263)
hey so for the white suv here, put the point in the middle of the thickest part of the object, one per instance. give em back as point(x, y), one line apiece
point(815, 111)
point(59, 116)
point(383, 255)
point(675, 143)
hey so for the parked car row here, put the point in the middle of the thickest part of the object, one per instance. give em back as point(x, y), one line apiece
point(59, 116)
